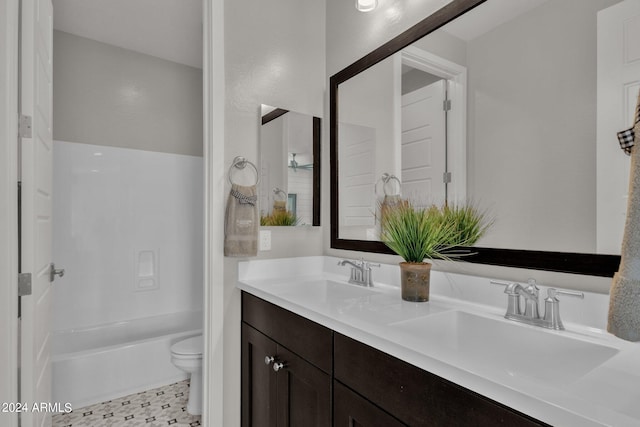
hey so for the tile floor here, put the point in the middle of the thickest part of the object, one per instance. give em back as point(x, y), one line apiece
point(163, 406)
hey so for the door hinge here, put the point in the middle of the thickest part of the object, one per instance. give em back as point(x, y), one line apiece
point(24, 284)
point(446, 105)
point(446, 177)
point(25, 126)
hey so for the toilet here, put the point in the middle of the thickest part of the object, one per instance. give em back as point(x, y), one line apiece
point(187, 355)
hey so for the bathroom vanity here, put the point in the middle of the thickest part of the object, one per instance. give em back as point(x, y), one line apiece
point(290, 364)
point(317, 350)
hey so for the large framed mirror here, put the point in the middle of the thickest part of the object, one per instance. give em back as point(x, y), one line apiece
point(511, 104)
point(289, 193)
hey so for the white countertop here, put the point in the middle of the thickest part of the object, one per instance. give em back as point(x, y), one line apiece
point(559, 393)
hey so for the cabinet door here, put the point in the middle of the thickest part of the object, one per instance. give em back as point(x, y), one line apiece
point(304, 393)
point(351, 410)
point(258, 380)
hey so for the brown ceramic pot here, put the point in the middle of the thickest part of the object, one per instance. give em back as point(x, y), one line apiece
point(414, 281)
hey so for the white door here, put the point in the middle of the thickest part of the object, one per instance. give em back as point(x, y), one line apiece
point(618, 85)
point(424, 144)
point(36, 177)
point(357, 165)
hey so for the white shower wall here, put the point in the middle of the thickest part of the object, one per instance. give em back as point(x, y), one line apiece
point(110, 205)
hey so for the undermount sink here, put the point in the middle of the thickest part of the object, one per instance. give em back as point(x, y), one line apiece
point(500, 345)
point(327, 291)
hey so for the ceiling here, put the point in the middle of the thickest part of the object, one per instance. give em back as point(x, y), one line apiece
point(168, 29)
point(172, 29)
point(487, 16)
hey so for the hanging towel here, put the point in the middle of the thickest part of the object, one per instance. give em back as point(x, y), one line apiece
point(279, 206)
point(626, 138)
point(241, 222)
point(388, 203)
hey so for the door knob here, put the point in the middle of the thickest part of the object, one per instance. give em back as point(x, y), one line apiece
point(279, 365)
point(268, 360)
point(53, 272)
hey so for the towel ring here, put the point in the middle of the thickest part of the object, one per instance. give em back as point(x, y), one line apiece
point(385, 178)
point(240, 163)
point(278, 191)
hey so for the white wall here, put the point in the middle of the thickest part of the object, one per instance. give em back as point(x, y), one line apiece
point(110, 204)
point(351, 35)
point(274, 54)
point(532, 110)
point(107, 95)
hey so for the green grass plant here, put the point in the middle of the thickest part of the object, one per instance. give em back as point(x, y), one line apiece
point(417, 233)
point(279, 218)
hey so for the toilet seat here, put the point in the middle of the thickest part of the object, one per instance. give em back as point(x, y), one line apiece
point(190, 347)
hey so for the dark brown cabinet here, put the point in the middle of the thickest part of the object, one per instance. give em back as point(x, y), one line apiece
point(281, 385)
point(414, 396)
point(370, 388)
point(352, 410)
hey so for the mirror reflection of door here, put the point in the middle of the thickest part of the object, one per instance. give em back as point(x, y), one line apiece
point(357, 171)
point(423, 141)
point(404, 118)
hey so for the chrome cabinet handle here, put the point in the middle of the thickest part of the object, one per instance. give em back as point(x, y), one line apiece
point(268, 360)
point(279, 365)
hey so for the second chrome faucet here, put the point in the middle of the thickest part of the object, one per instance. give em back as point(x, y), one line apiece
point(360, 271)
point(531, 313)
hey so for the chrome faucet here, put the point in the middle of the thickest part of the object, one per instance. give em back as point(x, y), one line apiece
point(360, 271)
point(531, 313)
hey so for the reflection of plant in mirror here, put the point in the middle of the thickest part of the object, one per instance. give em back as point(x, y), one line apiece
point(417, 233)
point(470, 222)
point(279, 218)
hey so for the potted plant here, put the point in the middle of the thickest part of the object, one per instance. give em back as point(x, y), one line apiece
point(417, 233)
point(279, 217)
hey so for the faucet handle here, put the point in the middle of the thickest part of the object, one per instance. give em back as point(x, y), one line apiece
point(552, 293)
point(367, 264)
point(552, 307)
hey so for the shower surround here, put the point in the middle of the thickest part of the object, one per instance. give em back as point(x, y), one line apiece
point(128, 231)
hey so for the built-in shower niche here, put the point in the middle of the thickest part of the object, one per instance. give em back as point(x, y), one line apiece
point(146, 279)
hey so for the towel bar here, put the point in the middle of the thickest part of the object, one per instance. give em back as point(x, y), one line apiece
point(385, 178)
point(240, 163)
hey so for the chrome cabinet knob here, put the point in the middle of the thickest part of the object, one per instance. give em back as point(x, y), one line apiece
point(268, 360)
point(279, 365)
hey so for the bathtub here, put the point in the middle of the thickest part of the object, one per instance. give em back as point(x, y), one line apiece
point(100, 363)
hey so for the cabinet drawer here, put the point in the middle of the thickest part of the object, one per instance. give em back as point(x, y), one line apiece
point(351, 410)
point(414, 396)
point(307, 339)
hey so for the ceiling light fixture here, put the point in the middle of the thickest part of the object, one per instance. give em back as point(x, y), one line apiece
point(366, 5)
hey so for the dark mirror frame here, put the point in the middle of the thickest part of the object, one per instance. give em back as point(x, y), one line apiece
point(317, 125)
point(565, 262)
